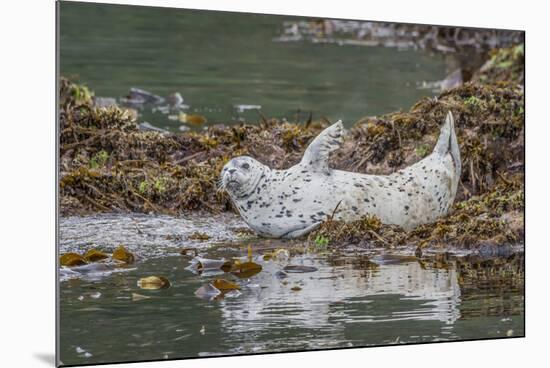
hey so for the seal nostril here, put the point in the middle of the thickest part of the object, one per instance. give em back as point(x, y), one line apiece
point(231, 171)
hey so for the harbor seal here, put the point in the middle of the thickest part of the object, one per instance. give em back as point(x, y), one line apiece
point(290, 203)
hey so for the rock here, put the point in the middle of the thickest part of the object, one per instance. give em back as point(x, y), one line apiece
point(137, 94)
point(299, 269)
point(105, 102)
point(174, 99)
point(145, 126)
point(243, 108)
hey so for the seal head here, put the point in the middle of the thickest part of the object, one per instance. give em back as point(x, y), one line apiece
point(240, 176)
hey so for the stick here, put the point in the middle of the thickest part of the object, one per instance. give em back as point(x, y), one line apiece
point(334, 211)
point(187, 158)
point(96, 203)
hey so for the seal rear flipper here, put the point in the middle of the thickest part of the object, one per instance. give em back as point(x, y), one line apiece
point(298, 233)
point(455, 149)
point(447, 142)
point(317, 153)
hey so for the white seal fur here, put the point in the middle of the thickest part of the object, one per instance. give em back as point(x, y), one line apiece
point(290, 203)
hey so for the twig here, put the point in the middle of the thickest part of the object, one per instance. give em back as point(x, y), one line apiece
point(396, 131)
point(136, 226)
point(334, 211)
point(144, 199)
point(187, 158)
point(68, 146)
point(309, 119)
point(324, 118)
point(363, 161)
point(503, 179)
point(379, 237)
point(264, 120)
point(468, 194)
point(99, 205)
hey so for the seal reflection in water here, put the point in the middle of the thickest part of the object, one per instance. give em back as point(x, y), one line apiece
point(290, 203)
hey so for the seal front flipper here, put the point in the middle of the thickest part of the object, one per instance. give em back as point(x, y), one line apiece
point(317, 153)
point(298, 233)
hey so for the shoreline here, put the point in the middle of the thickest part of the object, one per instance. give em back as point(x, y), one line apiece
point(108, 165)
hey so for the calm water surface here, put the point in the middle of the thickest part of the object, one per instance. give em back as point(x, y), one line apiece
point(218, 61)
point(372, 298)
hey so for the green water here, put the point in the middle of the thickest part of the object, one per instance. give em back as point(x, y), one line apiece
point(218, 60)
point(354, 297)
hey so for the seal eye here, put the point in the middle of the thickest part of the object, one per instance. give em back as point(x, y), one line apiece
point(245, 166)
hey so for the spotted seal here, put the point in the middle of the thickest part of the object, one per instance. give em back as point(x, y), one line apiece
point(290, 203)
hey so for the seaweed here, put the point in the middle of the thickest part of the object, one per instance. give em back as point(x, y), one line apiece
point(494, 218)
point(504, 64)
point(107, 164)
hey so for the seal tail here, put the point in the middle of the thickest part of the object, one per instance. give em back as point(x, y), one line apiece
point(447, 142)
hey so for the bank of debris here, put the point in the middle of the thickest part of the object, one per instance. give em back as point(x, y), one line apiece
point(108, 164)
